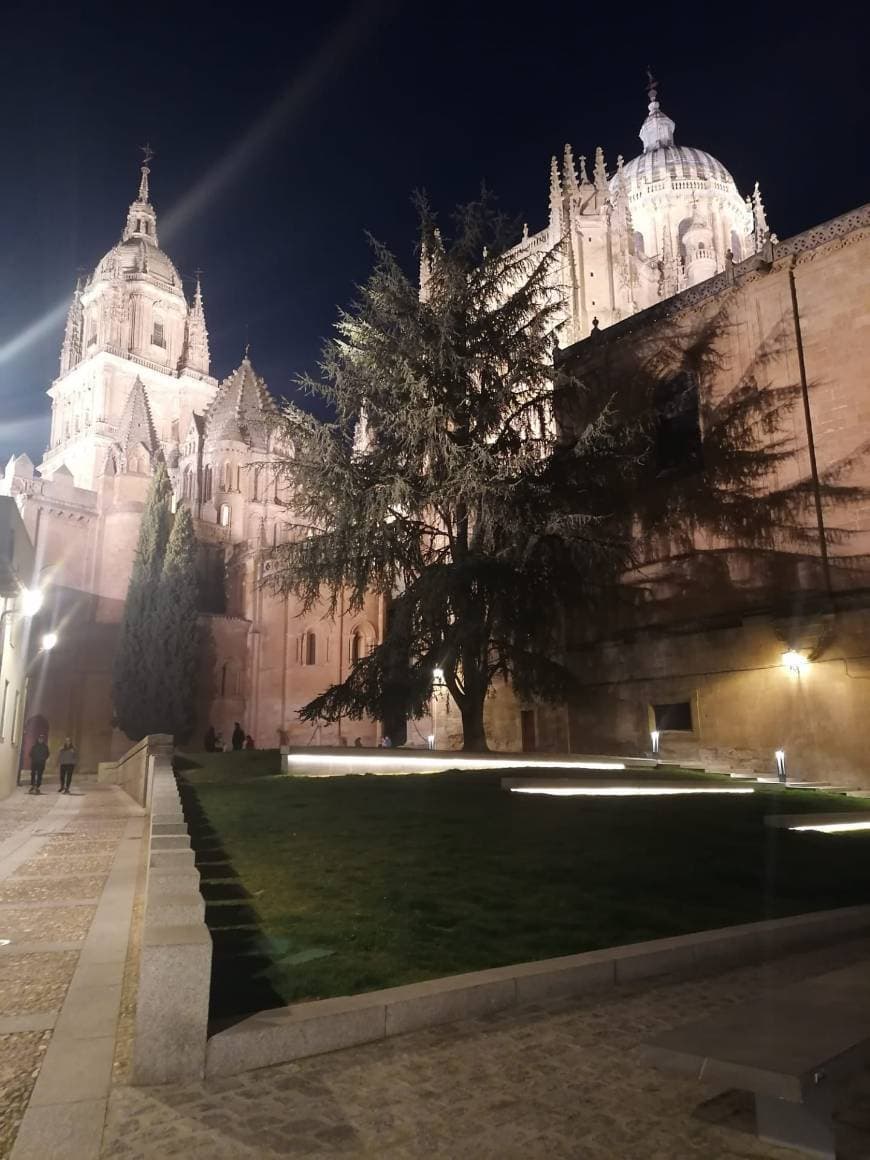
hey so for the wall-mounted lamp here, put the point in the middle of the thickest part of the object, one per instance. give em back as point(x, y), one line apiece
point(795, 662)
point(438, 675)
point(49, 640)
point(654, 739)
point(780, 765)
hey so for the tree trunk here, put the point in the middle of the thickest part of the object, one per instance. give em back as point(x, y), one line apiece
point(473, 731)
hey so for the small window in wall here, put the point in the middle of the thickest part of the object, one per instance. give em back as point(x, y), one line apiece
point(675, 717)
point(356, 646)
point(157, 335)
point(224, 515)
point(309, 649)
point(173, 504)
point(206, 484)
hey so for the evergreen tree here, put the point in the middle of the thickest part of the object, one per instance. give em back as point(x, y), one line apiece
point(176, 617)
point(137, 661)
point(445, 482)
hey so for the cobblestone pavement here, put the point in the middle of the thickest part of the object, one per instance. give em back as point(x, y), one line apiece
point(55, 856)
point(563, 1080)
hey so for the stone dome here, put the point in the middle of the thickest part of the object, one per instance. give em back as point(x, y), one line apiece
point(674, 163)
point(135, 255)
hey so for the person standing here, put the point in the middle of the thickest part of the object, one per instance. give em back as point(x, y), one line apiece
point(238, 738)
point(210, 739)
point(67, 759)
point(39, 755)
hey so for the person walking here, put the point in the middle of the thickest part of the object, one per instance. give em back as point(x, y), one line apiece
point(67, 759)
point(210, 739)
point(39, 755)
point(238, 737)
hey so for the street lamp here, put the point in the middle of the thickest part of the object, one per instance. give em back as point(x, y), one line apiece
point(49, 640)
point(31, 601)
point(437, 679)
point(794, 661)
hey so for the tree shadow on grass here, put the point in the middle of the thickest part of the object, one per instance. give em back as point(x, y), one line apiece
point(242, 954)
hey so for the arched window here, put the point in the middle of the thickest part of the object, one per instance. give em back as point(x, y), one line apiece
point(309, 649)
point(227, 477)
point(157, 335)
point(229, 679)
point(224, 515)
point(206, 483)
point(356, 646)
point(173, 506)
point(186, 487)
point(255, 486)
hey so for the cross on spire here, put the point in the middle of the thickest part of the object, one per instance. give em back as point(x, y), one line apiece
point(147, 155)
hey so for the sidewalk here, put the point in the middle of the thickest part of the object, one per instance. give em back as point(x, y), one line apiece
point(68, 871)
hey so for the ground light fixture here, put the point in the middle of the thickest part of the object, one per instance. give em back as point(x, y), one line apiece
point(625, 790)
point(834, 827)
point(401, 764)
point(49, 640)
point(655, 738)
point(795, 662)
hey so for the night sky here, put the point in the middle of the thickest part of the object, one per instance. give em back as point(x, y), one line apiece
point(283, 134)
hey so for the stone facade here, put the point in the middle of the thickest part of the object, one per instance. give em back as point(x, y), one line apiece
point(714, 639)
point(16, 632)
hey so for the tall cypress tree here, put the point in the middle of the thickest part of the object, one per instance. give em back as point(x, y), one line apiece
point(176, 614)
point(137, 661)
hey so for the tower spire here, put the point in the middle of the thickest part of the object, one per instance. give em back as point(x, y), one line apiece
point(555, 193)
point(600, 171)
point(141, 217)
point(196, 352)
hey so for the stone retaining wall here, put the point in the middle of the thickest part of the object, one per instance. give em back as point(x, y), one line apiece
point(135, 771)
point(175, 960)
point(305, 1029)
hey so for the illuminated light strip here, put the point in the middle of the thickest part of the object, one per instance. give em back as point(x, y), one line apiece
point(623, 790)
point(834, 827)
point(444, 762)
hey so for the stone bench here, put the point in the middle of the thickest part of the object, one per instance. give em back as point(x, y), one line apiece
point(793, 1049)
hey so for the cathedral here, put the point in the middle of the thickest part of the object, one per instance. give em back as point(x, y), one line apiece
point(135, 387)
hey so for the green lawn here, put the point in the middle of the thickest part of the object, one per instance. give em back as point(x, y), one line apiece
point(365, 882)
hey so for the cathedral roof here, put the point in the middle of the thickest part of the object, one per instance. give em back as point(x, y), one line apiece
point(135, 426)
point(242, 408)
point(662, 160)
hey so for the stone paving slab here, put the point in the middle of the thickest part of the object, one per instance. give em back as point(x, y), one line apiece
point(36, 982)
point(39, 889)
point(40, 923)
point(561, 1081)
point(20, 1056)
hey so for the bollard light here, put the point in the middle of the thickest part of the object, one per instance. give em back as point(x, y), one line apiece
point(654, 738)
point(780, 764)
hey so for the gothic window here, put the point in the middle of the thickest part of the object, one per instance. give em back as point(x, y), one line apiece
point(679, 446)
point(187, 483)
point(173, 506)
point(356, 646)
point(92, 334)
point(227, 477)
point(309, 648)
point(255, 486)
point(206, 484)
point(224, 515)
point(157, 335)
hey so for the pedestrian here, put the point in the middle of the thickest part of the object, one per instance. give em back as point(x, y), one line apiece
point(67, 759)
point(39, 755)
point(249, 742)
point(210, 739)
point(357, 742)
point(219, 743)
point(386, 743)
point(238, 737)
